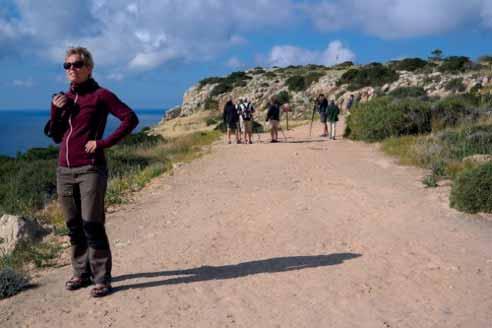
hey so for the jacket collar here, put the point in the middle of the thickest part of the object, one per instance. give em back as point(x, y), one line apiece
point(84, 87)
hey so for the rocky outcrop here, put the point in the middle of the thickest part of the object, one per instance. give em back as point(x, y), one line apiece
point(261, 85)
point(16, 229)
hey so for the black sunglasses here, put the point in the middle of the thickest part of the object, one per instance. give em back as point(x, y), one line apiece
point(76, 64)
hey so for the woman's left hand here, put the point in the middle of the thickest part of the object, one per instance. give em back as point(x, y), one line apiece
point(90, 146)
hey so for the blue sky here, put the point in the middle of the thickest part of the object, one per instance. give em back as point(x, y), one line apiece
point(150, 51)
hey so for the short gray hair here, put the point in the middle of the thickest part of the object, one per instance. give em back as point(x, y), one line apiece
point(83, 53)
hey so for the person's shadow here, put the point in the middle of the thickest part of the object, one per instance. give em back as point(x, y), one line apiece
point(204, 273)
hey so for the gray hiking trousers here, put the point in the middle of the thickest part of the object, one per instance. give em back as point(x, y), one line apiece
point(81, 192)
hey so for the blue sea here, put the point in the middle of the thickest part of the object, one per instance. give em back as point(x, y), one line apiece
point(21, 130)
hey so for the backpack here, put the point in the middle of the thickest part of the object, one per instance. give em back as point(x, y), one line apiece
point(247, 111)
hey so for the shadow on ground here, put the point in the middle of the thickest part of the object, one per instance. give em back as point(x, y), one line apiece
point(204, 273)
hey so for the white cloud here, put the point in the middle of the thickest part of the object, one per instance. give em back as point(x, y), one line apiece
point(142, 35)
point(287, 55)
point(27, 83)
point(115, 77)
point(145, 34)
point(487, 13)
point(235, 63)
point(393, 19)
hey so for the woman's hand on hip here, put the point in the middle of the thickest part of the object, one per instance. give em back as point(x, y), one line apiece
point(91, 146)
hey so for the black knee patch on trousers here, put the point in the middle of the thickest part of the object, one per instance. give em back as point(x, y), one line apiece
point(96, 235)
point(76, 234)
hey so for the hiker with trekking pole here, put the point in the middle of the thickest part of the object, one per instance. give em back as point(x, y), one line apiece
point(322, 107)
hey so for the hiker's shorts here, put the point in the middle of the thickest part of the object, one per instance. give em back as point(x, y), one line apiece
point(274, 124)
point(323, 117)
point(248, 126)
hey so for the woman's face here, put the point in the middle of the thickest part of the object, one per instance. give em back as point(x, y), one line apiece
point(76, 74)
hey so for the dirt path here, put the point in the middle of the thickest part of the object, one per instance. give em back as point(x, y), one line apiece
point(309, 233)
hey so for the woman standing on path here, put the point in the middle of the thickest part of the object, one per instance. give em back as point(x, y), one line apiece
point(78, 120)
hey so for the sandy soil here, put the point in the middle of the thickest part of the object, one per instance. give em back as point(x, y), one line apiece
point(306, 233)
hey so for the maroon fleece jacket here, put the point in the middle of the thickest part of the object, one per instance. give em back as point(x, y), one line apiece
point(84, 118)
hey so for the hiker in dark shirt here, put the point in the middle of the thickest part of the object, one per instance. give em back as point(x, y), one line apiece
point(332, 112)
point(273, 117)
point(350, 103)
point(231, 119)
point(322, 105)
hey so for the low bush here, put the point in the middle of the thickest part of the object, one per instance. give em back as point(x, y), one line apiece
point(455, 85)
point(408, 64)
point(210, 80)
point(226, 84)
point(408, 92)
point(370, 75)
point(454, 111)
point(211, 104)
point(472, 190)
point(283, 97)
point(12, 282)
point(344, 65)
point(454, 64)
point(381, 118)
point(296, 83)
point(220, 89)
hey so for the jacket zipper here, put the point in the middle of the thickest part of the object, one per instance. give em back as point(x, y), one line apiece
point(70, 133)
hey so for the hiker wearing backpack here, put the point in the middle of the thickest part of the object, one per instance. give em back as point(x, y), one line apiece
point(332, 112)
point(247, 111)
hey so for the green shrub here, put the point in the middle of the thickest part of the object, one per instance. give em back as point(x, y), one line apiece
point(270, 75)
point(463, 142)
point(141, 139)
point(472, 190)
point(344, 65)
point(210, 80)
point(313, 77)
point(454, 64)
point(211, 104)
point(283, 97)
point(381, 118)
point(257, 70)
point(211, 121)
point(11, 282)
point(408, 92)
point(453, 111)
point(220, 89)
point(26, 186)
point(455, 85)
point(51, 152)
point(296, 83)
point(408, 64)
point(371, 75)
point(430, 181)
point(226, 84)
